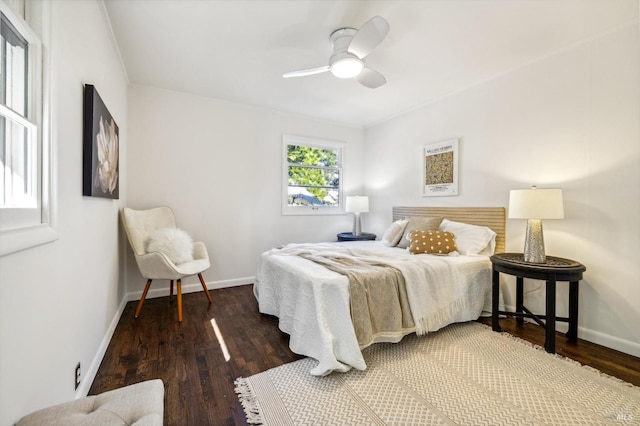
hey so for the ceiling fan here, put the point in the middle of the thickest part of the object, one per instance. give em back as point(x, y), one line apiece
point(350, 46)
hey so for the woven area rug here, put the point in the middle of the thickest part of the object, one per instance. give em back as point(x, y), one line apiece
point(462, 374)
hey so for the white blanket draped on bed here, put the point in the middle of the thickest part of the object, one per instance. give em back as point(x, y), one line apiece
point(312, 302)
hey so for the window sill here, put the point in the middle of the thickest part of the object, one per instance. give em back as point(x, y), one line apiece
point(14, 240)
point(310, 211)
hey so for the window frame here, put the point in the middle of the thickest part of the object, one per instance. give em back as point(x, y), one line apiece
point(287, 210)
point(23, 228)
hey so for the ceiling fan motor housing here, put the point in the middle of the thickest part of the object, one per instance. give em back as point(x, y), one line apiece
point(344, 64)
point(341, 38)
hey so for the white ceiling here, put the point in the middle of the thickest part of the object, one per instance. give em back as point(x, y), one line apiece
point(237, 50)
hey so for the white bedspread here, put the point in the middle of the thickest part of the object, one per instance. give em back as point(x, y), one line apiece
point(312, 302)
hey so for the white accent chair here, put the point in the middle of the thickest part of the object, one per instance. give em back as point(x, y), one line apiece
point(139, 225)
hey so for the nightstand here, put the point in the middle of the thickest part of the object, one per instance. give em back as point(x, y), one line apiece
point(553, 270)
point(348, 236)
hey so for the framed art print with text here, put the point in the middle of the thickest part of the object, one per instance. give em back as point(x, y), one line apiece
point(440, 169)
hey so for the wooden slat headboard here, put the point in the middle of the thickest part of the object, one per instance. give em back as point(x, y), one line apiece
point(492, 217)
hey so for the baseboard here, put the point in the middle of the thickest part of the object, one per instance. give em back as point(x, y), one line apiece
point(89, 374)
point(163, 290)
point(611, 342)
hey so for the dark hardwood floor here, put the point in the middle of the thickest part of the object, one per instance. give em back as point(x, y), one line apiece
point(187, 356)
point(199, 387)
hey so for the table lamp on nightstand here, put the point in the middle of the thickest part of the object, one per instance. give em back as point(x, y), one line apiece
point(534, 205)
point(357, 205)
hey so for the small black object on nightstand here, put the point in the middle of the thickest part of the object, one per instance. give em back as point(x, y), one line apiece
point(348, 236)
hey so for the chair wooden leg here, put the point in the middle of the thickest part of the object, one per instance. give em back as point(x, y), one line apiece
point(171, 291)
point(206, 290)
point(144, 295)
point(179, 300)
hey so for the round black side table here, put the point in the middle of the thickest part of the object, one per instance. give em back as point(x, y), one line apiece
point(348, 236)
point(553, 270)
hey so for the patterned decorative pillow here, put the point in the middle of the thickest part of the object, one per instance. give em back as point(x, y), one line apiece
point(418, 223)
point(432, 242)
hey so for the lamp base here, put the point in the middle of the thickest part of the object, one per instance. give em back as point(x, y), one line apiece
point(534, 242)
point(357, 229)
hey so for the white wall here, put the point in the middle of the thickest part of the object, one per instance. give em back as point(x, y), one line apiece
point(218, 166)
point(570, 120)
point(58, 300)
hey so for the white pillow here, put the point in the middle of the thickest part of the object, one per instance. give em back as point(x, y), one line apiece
point(394, 232)
point(175, 243)
point(471, 239)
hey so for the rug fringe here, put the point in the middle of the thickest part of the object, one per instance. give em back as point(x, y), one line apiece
point(249, 401)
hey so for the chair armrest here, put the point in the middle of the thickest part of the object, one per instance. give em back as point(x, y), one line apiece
point(200, 251)
point(156, 265)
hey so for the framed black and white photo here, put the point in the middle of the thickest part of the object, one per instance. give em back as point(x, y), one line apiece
point(100, 174)
point(440, 169)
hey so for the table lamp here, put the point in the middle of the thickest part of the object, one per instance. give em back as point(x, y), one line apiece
point(356, 205)
point(534, 205)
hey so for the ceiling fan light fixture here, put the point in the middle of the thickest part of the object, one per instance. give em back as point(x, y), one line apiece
point(346, 67)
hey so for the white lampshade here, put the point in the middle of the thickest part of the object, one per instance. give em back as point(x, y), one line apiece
point(536, 204)
point(357, 204)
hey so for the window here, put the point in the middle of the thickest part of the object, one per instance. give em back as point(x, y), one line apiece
point(25, 142)
point(18, 173)
point(312, 176)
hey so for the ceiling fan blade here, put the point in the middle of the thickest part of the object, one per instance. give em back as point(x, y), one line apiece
point(310, 71)
point(370, 78)
point(369, 36)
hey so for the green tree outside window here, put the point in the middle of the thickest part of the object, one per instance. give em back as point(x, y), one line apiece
point(313, 175)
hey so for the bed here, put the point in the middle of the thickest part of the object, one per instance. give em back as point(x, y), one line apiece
point(325, 298)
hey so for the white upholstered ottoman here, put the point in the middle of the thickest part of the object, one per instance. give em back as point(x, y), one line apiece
point(141, 404)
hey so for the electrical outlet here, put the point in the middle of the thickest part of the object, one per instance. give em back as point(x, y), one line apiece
point(77, 375)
